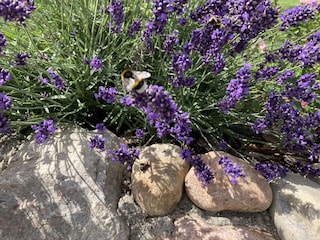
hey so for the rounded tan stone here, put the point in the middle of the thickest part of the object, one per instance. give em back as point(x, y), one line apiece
point(249, 194)
point(157, 179)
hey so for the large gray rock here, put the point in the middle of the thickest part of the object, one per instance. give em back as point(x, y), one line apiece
point(61, 190)
point(296, 208)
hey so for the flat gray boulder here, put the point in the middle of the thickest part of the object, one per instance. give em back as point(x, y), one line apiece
point(62, 190)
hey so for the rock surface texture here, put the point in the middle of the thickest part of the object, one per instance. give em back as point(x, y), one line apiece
point(250, 194)
point(157, 179)
point(296, 208)
point(61, 190)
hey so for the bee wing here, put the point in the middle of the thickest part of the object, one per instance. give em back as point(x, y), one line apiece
point(128, 84)
point(141, 74)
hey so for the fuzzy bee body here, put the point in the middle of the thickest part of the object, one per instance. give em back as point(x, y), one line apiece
point(214, 21)
point(134, 80)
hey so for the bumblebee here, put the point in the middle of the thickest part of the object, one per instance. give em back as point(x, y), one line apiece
point(214, 21)
point(134, 80)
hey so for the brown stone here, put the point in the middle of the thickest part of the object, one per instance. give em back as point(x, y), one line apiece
point(157, 179)
point(187, 228)
point(249, 194)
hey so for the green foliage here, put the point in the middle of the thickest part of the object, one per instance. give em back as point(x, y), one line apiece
point(63, 34)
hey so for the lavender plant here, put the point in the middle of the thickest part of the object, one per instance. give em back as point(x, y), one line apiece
point(60, 61)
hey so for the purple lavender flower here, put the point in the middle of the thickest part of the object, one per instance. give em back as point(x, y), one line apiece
point(124, 155)
point(4, 125)
point(288, 74)
point(96, 64)
point(249, 18)
point(163, 113)
point(21, 59)
point(203, 172)
point(117, 12)
point(56, 80)
point(182, 81)
point(128, 101)
point(16, 10)
point(171, 41)
point(231, 169)
point(216, 8)
point(107, 94)
point(236, 89)
point(271, 171)
point(223, 145)
point(100, 127)
point(4, 76)
point(135, 27)
point(139, 133)
point(182, 21)
point(181, 63)
point(298, 129)
point(42, 80)
point(291, 17)
point(5, 102)
point(267, 73)
point(307, 169)
point(98, 142)
point(2, 42)
point(303, 88)
point(218, 63)
point(43, 131)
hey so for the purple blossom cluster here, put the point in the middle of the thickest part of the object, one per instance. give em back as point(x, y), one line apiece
point(161, 11)
point(209, 42)
point(163, 113)
point(249, 18)
point(116, 10)
point(98, 142)
point(56, 80)
point(5, 102)
point(21, 59)
point(43, 80)
point(180, 64)
point(139, 133)
point(293, 16)
point(4, 76)
point(96, 64)
point(178, 82)
point(135, 27)
point(241, 20)
point(203, 172)
point(171, 41)
point(231, 169)
point(307, 169)
point(266, 73)
point(236, 89)
point(271, 171)
point(101, 127)
point(299, 130)
point(285, 76)
point(2, 42)
point(16, 10)
point(4, 125)
point(43, 131)
point(306, 55)
point(223, 145)
point(217, 8)
point(124, 155)
point(303, 89)
point(109, 95)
